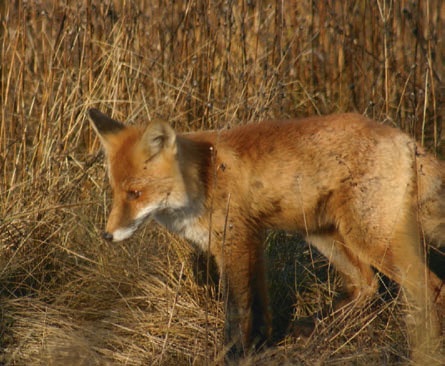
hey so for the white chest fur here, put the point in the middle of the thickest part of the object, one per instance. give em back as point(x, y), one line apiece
point(186, 226)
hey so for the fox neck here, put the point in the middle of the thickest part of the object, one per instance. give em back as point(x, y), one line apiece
point(195, 161)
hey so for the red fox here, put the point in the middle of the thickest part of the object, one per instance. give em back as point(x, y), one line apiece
point(363, 193)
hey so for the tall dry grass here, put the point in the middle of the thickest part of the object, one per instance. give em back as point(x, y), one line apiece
point(69, 298)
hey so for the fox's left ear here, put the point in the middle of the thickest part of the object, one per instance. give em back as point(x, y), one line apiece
point(158, 136)
point(104, 126)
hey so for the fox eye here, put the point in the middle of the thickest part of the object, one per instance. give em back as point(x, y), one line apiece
point(133, 195)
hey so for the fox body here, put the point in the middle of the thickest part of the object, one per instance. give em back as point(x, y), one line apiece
point(360, 191)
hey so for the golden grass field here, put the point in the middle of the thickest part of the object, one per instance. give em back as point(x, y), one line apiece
point(68, 297)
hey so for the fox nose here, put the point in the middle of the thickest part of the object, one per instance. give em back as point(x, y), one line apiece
point(107, 236)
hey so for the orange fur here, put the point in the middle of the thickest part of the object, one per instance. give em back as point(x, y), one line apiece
point(357, 189)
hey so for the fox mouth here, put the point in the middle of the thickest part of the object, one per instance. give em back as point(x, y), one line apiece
point(144, 215)
point(123, 233)
point(119, 234)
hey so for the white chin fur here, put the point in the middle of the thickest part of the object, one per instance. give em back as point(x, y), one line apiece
point(125, 232)
point(122, 234)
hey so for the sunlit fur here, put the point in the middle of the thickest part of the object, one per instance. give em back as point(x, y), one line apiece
point(358, 190)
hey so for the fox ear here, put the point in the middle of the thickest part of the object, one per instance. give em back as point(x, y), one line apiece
point(104, 125)
point(158, 136)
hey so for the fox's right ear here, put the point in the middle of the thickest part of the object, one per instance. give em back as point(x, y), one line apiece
point(104, 126)
point(158, 136)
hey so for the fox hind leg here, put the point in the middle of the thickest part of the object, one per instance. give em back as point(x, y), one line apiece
point(359, 279)
point(360, 282)
point(399, 256)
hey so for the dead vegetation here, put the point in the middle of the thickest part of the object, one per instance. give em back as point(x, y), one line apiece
point(69, 298)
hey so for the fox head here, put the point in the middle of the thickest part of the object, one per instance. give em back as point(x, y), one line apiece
point(143, 171)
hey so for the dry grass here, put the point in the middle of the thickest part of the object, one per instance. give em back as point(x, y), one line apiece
point(69, 298)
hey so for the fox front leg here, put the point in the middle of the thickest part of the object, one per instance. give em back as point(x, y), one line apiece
point(247, 323)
